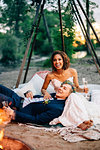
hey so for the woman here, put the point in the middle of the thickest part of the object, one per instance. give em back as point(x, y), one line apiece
point(60, 72)
point(78, 112)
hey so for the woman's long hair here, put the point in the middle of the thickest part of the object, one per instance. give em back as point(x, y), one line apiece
point(66, 60)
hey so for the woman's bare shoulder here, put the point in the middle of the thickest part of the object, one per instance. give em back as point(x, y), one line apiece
point(73, 71)
point(49, 75)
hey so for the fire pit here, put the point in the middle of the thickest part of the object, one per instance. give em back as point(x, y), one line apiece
point(9, 143)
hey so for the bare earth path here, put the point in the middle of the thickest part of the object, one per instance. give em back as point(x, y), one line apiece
point(40, 139)
point(85, 68)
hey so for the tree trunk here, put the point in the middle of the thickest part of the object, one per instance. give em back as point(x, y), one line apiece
point(87, 24)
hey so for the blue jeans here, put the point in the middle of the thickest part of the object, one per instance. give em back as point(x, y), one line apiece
point(9, 95)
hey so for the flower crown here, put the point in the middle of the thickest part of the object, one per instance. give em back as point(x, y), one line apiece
point(70, 83)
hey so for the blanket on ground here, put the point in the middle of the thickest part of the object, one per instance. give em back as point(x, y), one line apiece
point(70, 134)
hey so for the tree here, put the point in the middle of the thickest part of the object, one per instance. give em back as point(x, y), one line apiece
point(13, 14)
point(18, 15)
point(68, 31)
point(42, 45)
point(89, 11)
point(9, 49)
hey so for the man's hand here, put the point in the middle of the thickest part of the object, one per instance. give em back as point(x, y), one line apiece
point(9, 112)
point(29, 94)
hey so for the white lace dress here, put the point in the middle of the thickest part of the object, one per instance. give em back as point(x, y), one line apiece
point(77, 109)
point(56, 83)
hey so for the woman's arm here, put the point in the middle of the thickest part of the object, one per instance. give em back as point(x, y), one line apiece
point(76, 83)
point(45, 86)
point(82, 90)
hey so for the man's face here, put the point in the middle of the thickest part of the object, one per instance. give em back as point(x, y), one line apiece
point(63, 91)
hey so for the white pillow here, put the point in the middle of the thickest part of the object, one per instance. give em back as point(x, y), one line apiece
point(24, 89)
point(95, 96)
point(38, 83)
point(35, 85)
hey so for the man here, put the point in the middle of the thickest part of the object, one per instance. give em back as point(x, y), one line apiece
point(37, 112)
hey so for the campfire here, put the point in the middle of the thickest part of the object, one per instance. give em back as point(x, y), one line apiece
point(9, 143)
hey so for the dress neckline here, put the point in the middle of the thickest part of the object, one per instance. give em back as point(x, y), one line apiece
point(70, 78)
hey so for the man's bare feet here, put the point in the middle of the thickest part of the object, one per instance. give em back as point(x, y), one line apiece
point(86, 124)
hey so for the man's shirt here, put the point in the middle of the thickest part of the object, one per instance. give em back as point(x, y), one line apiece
point(38, 98)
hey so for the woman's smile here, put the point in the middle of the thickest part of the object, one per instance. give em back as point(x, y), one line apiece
point(58, 65)
point(58, 61)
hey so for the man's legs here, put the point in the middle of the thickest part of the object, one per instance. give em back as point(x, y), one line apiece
point(39, 113)
point(9, 95)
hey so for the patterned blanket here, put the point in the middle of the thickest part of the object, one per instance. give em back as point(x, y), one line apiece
point(71, 134)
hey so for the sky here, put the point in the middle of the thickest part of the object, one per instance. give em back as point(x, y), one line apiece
point(96, 15)
point(97, 11)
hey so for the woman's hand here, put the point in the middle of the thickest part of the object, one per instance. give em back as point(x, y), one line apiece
point(82, 90)
point(29, 94)
point(86, 90)
point(47, 96)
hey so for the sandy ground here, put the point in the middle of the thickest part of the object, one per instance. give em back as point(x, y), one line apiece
point(85, 68)
point(40, 139)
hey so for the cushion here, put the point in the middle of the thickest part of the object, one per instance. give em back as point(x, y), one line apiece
point(35, 85)
point(95, 96)
point(38, 83)
point(42, 74)
point(94, 92)
point(25, 88)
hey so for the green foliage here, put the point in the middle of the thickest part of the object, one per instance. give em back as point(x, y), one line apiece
point(97, 44)
point(18, 15)
point(80, 48)
point(9, 49)
point(68, 30)
point(2, 36)
point(42, 45)
point(92, 6)
point(47, 63)
point(94, 45)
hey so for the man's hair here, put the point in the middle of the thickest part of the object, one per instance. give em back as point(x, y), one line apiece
point(73, 90)
point(66, 60)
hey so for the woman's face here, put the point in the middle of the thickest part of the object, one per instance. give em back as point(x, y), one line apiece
point(58, 61)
